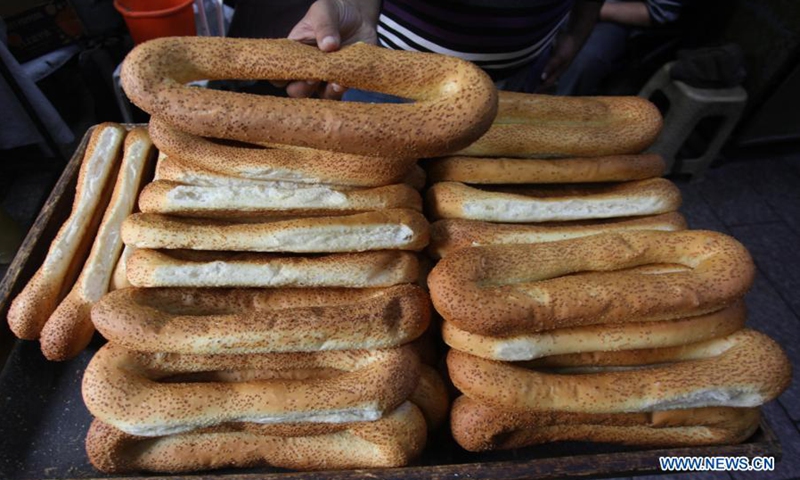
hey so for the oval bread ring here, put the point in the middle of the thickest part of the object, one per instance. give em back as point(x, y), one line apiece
point(176, 170)
point(190, 268)
point(623, 336)
point(34, 305)
point(621, 359)
point(455, 101)
point(239, 321)
point(119, 278)
point(254, 200)
point(399, 229)
point(553, 203)
point(392, 441)
point(478, 427)
point(501, 290)
point(451, 234)
point(123, 388)
point(431, 397)
point(615, 168)
point(744, 369)
point(554, 126)
point(276, 163)
point(69, 329)
point(398, 438)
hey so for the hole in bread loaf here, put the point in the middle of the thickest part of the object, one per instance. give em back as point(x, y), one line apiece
point(236, 143)
point(254, 375)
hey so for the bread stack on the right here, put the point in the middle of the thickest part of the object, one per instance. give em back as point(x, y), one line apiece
point(622, 327)
point(552, 168)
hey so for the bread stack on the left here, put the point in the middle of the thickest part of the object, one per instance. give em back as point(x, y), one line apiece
point(269, 322)
point(54, 307)
point(275, 311)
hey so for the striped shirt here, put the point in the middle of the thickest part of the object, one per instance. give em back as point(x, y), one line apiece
point(501, 36)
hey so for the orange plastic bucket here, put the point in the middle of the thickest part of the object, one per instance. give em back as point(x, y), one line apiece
point(148, 19)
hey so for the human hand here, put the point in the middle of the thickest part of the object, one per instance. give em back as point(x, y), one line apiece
point(330, 24)
point(564, 51)
point(582, 19)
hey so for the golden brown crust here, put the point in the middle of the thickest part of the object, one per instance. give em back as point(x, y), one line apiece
point(451, 234)
point(211, 321)
point(251, 200)
point(431, 397)
point(479, 427)
point(174, 169)
point(614, 168)
point(455, 101)
point(393, 441)
point(553, 203)
point(133, 392)
point(31, 309)
point(595, 338)
point(192, 268)
point(387, 229)
point(628, 358)
point(193, 158)
point(501, 290)
point(550, 126)
point(69, 329)
point(119, 279)
point(744, 369)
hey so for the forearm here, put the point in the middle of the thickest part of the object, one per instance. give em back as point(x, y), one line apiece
point(582, 19)
point(626, 13)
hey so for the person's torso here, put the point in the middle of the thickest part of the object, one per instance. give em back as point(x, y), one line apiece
point(500, 36)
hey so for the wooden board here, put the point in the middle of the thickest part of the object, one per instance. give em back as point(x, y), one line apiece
point(45, 420)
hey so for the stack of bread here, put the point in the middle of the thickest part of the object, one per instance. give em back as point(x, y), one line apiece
point(54, 307)
point(552, 168)
point(621, 330)
point(274, 315)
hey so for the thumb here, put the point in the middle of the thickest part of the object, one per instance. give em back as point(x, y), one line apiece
point(550, 71)
point(320, 25)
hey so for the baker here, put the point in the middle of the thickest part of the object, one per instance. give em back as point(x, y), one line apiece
point(523, 45)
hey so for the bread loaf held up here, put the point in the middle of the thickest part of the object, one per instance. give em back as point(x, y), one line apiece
point(455, 101)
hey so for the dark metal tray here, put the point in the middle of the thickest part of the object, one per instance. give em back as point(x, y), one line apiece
point(43, 421)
